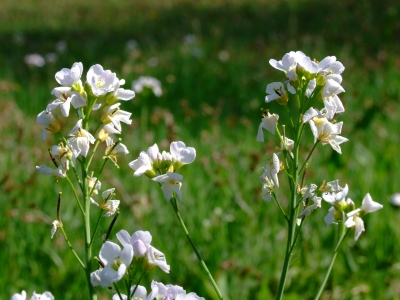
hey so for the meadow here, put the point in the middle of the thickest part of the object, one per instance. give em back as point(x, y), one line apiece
point(212, 60)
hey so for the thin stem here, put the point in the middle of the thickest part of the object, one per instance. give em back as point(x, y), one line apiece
point(97, 226)
point(93, 152)
point(343, 234)
point(118, 292)
point(76, 196)
point(72, 248)
point(137, 284)
point(111, 226)
point(203, 264)
point(309, 155)
point(280, 206)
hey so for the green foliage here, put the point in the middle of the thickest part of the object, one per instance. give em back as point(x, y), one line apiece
point(214, 89)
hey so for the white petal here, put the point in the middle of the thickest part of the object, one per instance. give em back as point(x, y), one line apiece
point(368, 205)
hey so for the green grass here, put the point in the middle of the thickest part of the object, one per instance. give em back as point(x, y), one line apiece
point(215, 106)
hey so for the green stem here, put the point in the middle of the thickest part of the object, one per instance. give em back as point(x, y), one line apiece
point(280, 206)
point(309, 155)
point(137, 284)
point(343, 234)
point(203, 264)
point(97, 226)
point(91, 156)
point(118, 292)
point(72, 248)
point(76, 196)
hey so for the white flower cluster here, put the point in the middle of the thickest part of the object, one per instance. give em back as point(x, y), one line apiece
point(35, 296)
point(161, 167)
point(344, 210)
point(115, 261)
point(159, 291)
point(101, 93)
point(315, 81)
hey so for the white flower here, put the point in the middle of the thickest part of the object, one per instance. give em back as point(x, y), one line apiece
point(334, 198)
point(181, 155)
point(95, 278)
point(272, 169)
point(64, 99)
point(268, 122)
point(79, 140)
point(62, 155)
point(395, 199)
point(147, 82)
point(44, 296)
point(330, 65)
point(56, 224)
point(172, 182)
point(155, 258)
point(17, 296)
point(116, 261)
point(308, 209)
point(119, 93)
point(45, 170)
point(91, 183)
point(354, 217)
point(101, 81)
point(327, 132)
point(140, 241)
point(47, 120)
point(276, 91)
point(140, 294)
point(267, 186)
point(308, 191)
point(70, 77)
point(144, 164)
point(287, 144)
point(34, 60)
point(288, 62)
point(115, 116)
point(332, 85)
point(168, 291)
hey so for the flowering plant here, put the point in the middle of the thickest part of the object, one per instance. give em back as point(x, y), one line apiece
point(309, 84)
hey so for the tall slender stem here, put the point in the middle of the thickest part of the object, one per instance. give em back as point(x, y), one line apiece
point(343, 232)
point(203, 264)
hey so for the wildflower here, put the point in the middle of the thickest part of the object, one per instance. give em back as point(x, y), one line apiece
point(140, 241)
point(395, 199)
point(276, 91)
point(47, 120)
point(95, 278)
point(286, 144)
point(35, 60)
point(309, 208)
point(17, 296)
point(59, 172)
point(101, 81)
point(64, 99)
point(332, 85)
point(336, 198)
point(115, 116)
point(144, 164)
point(147, 82)
point(44, 296)
point(354, 217)
point(330, 65)
point(79, 140)
point(71, 77)
point(119, 93)
point(327, 132)
point(94, 184)
point(116, 261)
point(268, 122)
point(119, 148)
point(181, 155)
point(107, 204)
point(155, 258)
point(272, 169)
point(267, 186)
point(56, 225)
point(172, 182)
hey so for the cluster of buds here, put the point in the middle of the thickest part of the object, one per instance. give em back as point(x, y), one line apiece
point(100, 93)
point(162, 167)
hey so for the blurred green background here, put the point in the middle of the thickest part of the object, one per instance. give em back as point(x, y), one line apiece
point(212, 60)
